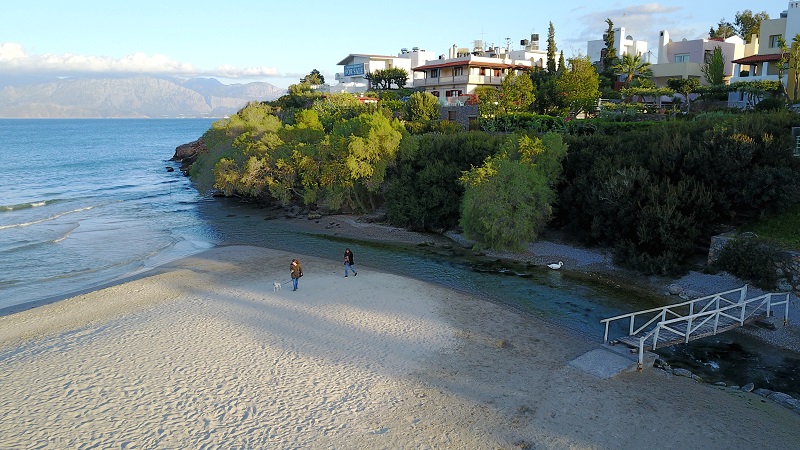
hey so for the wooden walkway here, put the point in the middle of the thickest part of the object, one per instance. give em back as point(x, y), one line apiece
point(695, 319)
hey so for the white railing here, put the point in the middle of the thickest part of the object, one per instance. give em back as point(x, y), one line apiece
point(701, 311)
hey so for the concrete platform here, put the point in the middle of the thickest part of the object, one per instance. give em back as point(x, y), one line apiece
point(611, 360)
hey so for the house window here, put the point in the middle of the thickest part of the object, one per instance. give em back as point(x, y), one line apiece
point(451, 115)
point(435, 94)
point(497, 72)
point(434, 73)
point(773, 41)
point(682, 57)
point(458, 71)
point(453, 93)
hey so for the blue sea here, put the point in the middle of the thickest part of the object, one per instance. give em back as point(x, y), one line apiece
point(85, 202)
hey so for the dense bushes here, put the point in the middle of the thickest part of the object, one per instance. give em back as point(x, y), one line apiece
point(422, 190)
point(751, 259)
point(655, 192)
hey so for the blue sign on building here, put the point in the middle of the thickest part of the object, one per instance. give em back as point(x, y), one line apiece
point(352, 70)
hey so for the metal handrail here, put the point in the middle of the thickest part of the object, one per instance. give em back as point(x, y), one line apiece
point(662, 311)
point(704, 316)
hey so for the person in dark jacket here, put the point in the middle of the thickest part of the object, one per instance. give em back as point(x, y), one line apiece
point(297, 272)
point(348, 262)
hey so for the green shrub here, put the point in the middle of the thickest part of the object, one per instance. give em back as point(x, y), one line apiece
point(769, 104)
point(751, 258)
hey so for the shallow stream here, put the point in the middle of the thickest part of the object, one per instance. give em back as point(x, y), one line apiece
point(568, 300)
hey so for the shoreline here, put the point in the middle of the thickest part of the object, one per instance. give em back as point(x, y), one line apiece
point(205, 353)
point(591, 263)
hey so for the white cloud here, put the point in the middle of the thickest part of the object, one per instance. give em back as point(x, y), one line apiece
point(14, 59)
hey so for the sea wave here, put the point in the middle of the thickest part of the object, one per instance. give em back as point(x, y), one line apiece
point(48, 218)
point(28, 205)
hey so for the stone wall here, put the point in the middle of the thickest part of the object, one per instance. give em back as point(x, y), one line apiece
point(460, 114)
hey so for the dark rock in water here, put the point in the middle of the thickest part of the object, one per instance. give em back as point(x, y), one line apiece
point(170, 169)
point(187, 154)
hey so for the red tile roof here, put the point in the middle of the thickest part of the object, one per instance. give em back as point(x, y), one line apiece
point(755, 59)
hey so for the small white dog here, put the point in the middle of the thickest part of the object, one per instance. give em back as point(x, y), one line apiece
point(276, 286)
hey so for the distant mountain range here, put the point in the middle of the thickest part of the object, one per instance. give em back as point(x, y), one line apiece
point(127, 97)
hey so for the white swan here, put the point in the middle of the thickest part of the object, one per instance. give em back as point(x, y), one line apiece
point(556, 266)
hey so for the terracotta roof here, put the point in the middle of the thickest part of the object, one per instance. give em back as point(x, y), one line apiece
point(754, 59)
point(462, 63)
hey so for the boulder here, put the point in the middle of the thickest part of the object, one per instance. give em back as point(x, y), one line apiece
point(187, 154)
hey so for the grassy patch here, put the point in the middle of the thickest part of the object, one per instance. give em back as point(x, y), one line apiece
point(783, 229)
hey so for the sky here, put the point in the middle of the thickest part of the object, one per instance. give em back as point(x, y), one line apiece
point(279, 42)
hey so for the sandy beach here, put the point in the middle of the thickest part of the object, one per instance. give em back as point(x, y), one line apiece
point(204, 354)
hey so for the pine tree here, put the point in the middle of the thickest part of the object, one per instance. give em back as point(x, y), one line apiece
point(551, 49)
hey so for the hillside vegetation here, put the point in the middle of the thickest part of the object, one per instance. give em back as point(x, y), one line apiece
point(652, 191)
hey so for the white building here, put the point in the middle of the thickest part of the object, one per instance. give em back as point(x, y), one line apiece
point(624, 44)
point(762, 64)
point(357, 66)
point(686, 59)
point(452, 80)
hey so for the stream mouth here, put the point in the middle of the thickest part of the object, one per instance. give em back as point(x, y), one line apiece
point(572, 300)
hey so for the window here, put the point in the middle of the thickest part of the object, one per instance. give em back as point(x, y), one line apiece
point(452, 93)
point(434, 73)
point(773, 41)
point(682, 57)
point(451, 115)
point(458, 71)
point(435, 94)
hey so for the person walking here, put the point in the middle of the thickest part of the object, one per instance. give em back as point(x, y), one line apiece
point(348, 262)
point(297, 272)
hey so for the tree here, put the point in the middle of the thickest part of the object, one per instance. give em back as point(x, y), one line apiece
point(516, 93)
point(684, 86)
point(724, 30)
point(388, 78)
point(422, 106)
point(508, 199)
point(783, 65)
point(755, 90)
point(747, 24)
point(561, 63)
point(714, 69)
point(580, 85)
point(609, 57)
point(632, 66)
point(313, 78)
point(488, 98)
point(551, 49)
point(547, 98)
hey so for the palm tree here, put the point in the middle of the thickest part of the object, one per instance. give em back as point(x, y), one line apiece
point(631, 67)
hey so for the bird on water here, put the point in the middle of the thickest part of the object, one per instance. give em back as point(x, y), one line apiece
point(556, 266)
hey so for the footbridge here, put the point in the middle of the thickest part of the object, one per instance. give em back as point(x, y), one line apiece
point(694, 319)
